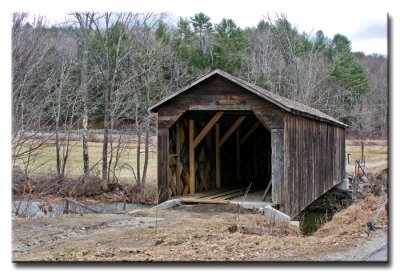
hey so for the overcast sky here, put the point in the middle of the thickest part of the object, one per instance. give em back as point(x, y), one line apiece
point(363, 22)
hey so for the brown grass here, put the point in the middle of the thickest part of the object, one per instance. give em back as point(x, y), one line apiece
point(45, 165)
point(372, 153)
point(353, 220)
point(200, 233)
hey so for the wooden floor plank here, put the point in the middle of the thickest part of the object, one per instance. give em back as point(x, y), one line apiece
point(209, 192)
point(224, 193)
point(216, 196)
point(203, 201)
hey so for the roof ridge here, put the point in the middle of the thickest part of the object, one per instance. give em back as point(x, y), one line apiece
point(292, 105)
point(283, 102)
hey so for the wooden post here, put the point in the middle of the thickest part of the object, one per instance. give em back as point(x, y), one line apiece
point(162, 156)
point(277, 165)
point(238, 155)
point(178, 170)
point(217, 158)
point(254, 140)
point(192, 174)
point(66, 207)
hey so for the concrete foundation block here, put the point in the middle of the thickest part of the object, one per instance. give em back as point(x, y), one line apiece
point(343, 185)
point(294, 223)
point(251, 205)
point(169, 203)
point(273, 214)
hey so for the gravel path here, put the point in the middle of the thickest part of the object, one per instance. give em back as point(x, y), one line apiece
point(375, 249)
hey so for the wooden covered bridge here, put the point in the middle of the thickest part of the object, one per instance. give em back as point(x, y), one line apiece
point(221, 132)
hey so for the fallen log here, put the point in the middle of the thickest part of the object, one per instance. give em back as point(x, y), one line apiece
point(258, 230)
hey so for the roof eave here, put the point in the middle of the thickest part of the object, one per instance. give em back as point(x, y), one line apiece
point(154, 107)
point(333, 122)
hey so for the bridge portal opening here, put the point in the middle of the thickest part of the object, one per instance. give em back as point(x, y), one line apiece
point(226, 151)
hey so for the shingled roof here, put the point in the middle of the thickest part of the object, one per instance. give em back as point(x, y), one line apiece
point(282, 102)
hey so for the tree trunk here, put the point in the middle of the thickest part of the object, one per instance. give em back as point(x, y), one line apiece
point(58, 160)
point(85, 118)
point(138, 158)
point(111, 159)
point(117, 153)
point(65, 157)
point(104, 171)
point(85, 21)
point(138, 141)
point(66, 147)
point(362, 151)
point(146, 155)
point(58, 114)
point(104, 174)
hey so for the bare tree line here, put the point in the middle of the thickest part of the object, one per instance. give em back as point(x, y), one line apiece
point(281, 62)
point(58, 71)
point(103, 70)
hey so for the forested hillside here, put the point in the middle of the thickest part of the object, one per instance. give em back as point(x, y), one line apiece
point(103, 70)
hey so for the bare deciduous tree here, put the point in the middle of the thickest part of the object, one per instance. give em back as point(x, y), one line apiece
point(31, 56)
point(85, 21)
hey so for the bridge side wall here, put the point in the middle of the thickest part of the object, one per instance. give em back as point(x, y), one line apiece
point(314, 161)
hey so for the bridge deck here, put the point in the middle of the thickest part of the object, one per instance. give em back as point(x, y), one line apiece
point(224, 195)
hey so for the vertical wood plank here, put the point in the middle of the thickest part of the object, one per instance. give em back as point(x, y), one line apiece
point(298, 190)
point(293, 165)
point(192, 170)
point(162, 167)
point(286, 162)
point(217, 158)
point(255, 154)
point(342, 159)
point(178, 171)
point(334, 156)
point(277, 165)
point(314, 157)
point(304, 158)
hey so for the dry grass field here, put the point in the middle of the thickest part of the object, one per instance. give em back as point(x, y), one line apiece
point(45, 164)
point(376, 155)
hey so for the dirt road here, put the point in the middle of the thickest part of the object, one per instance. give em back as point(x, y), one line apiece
point(188, 233)
point(373, 249)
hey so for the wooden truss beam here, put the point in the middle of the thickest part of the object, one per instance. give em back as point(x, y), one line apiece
point(248, 134)
point(235, 125)
point(207, 128)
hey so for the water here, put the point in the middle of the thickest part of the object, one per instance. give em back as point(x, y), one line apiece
point(31, 208)
point(311, 221)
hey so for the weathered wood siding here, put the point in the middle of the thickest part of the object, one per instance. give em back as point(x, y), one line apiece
point(314, 161)
point(217, 93)
point(162, 163)
point(307, 158)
